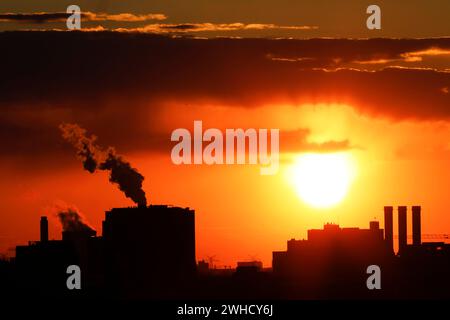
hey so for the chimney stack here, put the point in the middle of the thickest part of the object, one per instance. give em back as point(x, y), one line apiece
point(402, 229)
point(44, 229)
point(389, 227)
point(416, 225)
point(374, 225)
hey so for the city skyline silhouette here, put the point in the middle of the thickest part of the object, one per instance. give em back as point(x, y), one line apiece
point(148, 252)
point(224, 150)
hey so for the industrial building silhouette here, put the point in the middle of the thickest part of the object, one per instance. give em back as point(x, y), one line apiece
point(149, 249)
point(332, 262)
point(149, 252)
point(144, 248)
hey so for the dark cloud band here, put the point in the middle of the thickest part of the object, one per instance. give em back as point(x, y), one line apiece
point(109, 79)
point(45, 17)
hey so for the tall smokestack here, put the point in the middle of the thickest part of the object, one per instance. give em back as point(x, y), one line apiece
point(389, 227)
point(44, 229)
point(402, 229)
point(416, 225)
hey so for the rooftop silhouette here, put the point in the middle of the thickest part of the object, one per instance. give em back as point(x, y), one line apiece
point(148, 252)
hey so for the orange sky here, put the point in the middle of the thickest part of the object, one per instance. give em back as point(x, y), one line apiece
point(242, 215)
point(382, 101)
point(334, 18)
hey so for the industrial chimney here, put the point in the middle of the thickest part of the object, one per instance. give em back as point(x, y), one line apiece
point(402, 229)
point(44, 229)
point(416, 225)
point(389, 227)
point(374, 225)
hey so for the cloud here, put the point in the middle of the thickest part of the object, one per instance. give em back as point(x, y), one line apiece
point(297, 141)
point(209, 27)
point(107, 80)
point(45, 17)
point(337, 53)
point(37, 17)
point(418, 55)
point(129, 17)
point(414, 56)
point(93, 29)
point(157, 28)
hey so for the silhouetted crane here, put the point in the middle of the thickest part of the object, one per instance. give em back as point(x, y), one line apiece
point(211, 260)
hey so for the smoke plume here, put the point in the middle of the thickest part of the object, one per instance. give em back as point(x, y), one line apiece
point(128, 179)
point(87, 150)
point(69, 216)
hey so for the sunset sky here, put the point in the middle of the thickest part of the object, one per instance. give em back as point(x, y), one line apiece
point(304, 67)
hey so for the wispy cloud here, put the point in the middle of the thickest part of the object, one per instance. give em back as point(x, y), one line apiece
point(413, 56)
point(297, 141)
point(45, 17)
point(373, 54)
point(210, 27)
point(418, 55)
point(129, 17)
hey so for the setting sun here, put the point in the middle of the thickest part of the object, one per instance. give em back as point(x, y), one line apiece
point(322, 180)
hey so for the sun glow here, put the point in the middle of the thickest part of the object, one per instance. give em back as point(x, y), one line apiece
point(323, 180)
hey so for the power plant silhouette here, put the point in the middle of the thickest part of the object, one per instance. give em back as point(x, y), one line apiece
point(141, 247)
point(149, 252)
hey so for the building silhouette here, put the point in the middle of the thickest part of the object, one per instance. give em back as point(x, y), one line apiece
point(149, 249)
point(329, 259)
point(332, 262)
point(332, 242)
point(148, 252)
point(143, 252)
